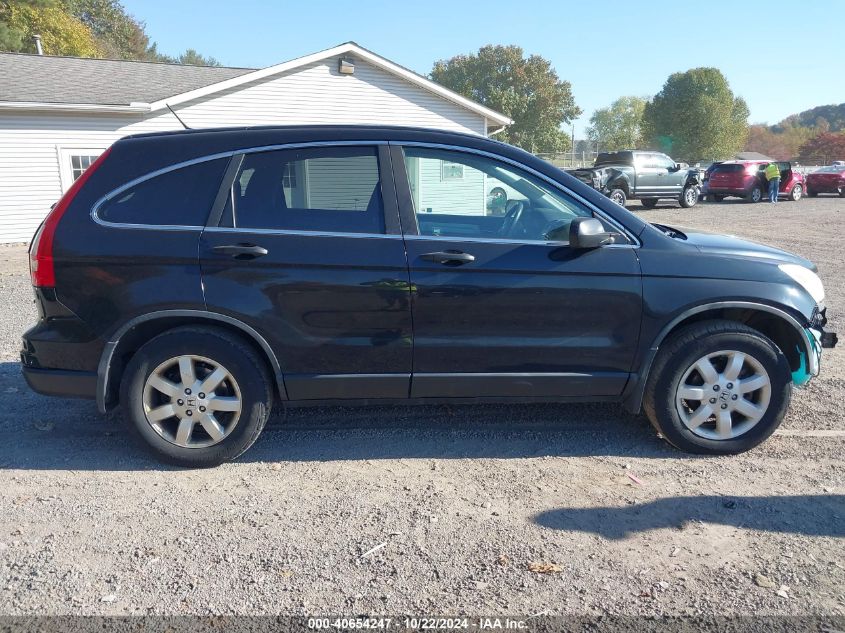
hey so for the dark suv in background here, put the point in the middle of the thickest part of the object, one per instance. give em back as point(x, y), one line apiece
point(195, 278)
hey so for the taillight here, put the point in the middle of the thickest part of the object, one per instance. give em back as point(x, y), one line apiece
point(41, 268)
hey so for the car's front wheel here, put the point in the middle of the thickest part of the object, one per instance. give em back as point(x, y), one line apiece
point(196, 396)
point(718, 387)
point(618, 196)
point(689, 196)
point(796, 193)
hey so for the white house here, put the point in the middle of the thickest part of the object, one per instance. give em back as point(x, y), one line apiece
point(57, 114)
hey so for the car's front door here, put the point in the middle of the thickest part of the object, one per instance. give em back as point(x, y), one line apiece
point(501, 310)
point(671, 180)
point(307, 251)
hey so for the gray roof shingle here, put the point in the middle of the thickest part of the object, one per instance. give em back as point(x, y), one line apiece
point(46, 79)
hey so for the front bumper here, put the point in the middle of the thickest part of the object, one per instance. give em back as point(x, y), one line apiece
point(817, 339)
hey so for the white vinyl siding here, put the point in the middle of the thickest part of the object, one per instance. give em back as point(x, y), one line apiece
point(340, 184)
point(31, 143)
point(464, 196)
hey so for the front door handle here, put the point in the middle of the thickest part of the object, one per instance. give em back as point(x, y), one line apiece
point(241, 251)
point(450, 258)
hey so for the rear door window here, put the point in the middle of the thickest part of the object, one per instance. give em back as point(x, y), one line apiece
point(180, 197)
point(334, 190)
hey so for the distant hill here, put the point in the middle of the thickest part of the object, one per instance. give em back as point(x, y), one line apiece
point(834, 115)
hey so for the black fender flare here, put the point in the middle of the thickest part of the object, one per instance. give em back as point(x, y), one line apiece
point(106, 365)
point(635, 389)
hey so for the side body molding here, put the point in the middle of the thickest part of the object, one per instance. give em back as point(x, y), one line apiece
point(633, 399)
point(104, 368)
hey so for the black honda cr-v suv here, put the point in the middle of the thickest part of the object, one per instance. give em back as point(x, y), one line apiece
point(196, 277)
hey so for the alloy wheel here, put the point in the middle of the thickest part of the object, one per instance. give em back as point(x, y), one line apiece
point(797, 192)
point(723, 395)
point(192, 401)
point(691, 195)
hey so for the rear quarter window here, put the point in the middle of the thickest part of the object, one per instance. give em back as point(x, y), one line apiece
point(181, 197)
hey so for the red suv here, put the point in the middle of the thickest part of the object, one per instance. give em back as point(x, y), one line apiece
point(745, 179)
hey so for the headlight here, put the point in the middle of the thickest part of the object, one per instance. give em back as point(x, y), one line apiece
point(807, 278)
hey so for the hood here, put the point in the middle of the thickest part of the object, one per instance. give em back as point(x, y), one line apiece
point(734, 246)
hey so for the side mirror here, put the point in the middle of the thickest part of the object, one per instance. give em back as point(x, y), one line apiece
point(588, 233)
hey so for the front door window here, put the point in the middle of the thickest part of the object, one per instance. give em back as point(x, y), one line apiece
point(458, 194)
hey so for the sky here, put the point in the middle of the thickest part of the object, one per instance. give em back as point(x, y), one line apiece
point(606, 49)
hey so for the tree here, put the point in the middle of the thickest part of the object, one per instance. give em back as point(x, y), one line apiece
point(825, 148)
point(189, 57)
point(618, 126)
point(61, 33)
point(527, 90)
point(12, 36)
point(119, 34)
point(696, 116)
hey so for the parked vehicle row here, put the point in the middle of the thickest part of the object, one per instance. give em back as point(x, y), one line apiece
point(195, 278)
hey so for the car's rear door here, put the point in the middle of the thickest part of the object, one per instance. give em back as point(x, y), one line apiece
point(306, 249)
point(499, 310)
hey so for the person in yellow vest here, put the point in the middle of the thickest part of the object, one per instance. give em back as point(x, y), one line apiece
point(773, 178)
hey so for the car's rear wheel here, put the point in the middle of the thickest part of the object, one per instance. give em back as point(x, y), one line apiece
point(618, 196)
point(718, 387)
point(196, 396)
point(796, 193)
point(649, 203)
point(755, 195)
point(689, 196)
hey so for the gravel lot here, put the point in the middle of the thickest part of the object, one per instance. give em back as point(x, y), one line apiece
point(458, 501)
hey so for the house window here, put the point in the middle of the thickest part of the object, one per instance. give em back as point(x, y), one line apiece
point(74, 160)
point(79, 163)
point(451, 171)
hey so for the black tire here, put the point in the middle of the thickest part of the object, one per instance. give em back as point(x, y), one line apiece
point(796, 193)
point(692, 343)
point(243, 364)
point(689, 196)
point(618, 196)
point(649, 203)
point(755, 195)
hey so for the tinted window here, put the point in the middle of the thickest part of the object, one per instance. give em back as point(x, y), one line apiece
point(319, 189)
point(490, 199)
point(729, 169)
point(180, 197)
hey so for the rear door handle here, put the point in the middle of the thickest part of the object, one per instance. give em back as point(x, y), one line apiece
point(450, 258)
point(241, 251)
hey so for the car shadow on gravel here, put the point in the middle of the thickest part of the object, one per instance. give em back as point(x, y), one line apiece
point(37, 432)
point(810, 515)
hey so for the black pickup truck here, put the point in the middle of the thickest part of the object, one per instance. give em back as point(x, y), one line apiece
point(641, 175)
